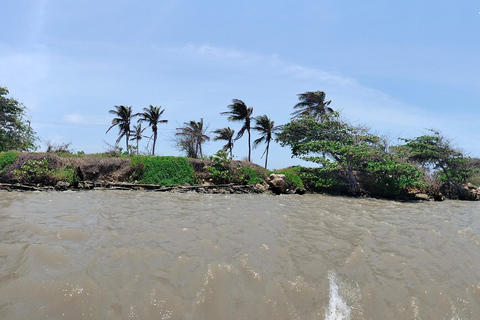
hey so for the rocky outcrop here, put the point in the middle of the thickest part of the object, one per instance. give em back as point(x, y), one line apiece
point(277, 183)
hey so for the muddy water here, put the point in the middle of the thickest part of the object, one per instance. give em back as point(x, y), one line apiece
point(140, 255)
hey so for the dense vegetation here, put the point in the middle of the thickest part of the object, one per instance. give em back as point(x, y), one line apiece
point(349, 159)
point(165, 171)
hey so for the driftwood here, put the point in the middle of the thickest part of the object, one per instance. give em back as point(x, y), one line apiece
point(82, 185)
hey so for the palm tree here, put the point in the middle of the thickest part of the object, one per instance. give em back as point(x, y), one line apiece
point(137, 134)
point(227, 135)
point(313, 104)
point(240, 112)
point(152, 116)
point(266, 128)
point(191, 137)
point(123, 118)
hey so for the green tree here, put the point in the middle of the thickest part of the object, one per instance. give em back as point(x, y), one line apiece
point(123, 118)
point(312, 103)
point(227, 135)
point(191, 136)
point(333, 143)
point(15, 130)
point(240, 112)
point(435, 151)
point(137, 134)
point(267, 129)
point(152, 116)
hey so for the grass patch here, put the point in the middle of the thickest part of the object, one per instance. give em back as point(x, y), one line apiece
point(6, 160)
point(164, 171)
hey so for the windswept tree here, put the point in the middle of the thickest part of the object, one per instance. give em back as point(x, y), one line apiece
point(152, 116)
point(191, 136)
point(332, 143)
point(240, 112)
point(312, 103)
point(227, 135)
point(267, 129)
point(15, 130)
point(137, 134)
point(123, 118)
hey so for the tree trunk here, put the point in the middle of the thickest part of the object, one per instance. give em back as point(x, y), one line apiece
point(154, 141)
point(266, 154)
point(249, 147)
point(352, 180)
point(127, 138)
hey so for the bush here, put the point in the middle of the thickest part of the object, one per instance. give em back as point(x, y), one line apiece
point(247, 175)
point(40, 171)
point(6, 160)
point(220, 171)
point(322, 179)
point(292, 178)
point(164, 171)
point(393, 178)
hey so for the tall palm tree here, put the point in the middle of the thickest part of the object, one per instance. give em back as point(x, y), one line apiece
point(137, 134)
point(192, 136)
point(152, 116)
point(312, 103)
point(123, 117)
point(267, 129)
point(227, 135)
point(240, 112)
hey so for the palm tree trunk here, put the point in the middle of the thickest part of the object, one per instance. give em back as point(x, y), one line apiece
point(127, 138)
point(137, 146)
point(154, 141)
point(266, 155)
point(249, 147)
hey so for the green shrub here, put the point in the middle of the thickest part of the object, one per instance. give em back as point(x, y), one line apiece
point(292, 178)
point(321, 179)
point(220, 171)
point(6, 160)
point(34, 171)
point(247, 175)
point(394, 177)
point(165, 171)
point(67, 174)
point(39, 171)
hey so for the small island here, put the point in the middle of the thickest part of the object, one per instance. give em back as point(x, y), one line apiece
point(347, 159)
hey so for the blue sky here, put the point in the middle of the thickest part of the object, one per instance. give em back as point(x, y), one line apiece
point(396, 66)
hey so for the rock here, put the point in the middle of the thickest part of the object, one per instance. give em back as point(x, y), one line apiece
point(422, 196)
point(277, 183)
point(471, 186)
point(260, 188)
point(300, 191)
point(62, 185)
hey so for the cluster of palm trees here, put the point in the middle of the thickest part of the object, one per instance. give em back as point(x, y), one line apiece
point(193, 134)
point(123, 119)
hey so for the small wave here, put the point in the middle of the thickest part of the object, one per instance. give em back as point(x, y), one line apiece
point(337, 308)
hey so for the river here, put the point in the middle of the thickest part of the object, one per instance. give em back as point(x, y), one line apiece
point(148, 255)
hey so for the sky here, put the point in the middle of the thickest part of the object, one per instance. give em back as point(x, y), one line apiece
point(399, 67)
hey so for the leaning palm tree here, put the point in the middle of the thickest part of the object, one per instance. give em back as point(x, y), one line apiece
point(227, 135)
point(137, 134)
point(267, 129)
point(240, 112)
point(313, 104)
point(152, 116)
point(123, 118)
point(191, 137)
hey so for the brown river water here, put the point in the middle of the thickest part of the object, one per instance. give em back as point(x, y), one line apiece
point(147, 255)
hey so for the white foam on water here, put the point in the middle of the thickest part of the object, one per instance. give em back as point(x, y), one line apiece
point(337, 308)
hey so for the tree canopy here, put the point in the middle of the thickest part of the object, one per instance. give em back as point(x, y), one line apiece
point(15, 130)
